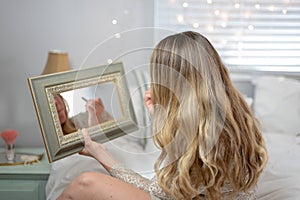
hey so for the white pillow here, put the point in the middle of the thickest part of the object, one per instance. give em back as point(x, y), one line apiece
point(277, 104)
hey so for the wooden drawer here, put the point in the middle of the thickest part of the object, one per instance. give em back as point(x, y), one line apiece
point(22, 189)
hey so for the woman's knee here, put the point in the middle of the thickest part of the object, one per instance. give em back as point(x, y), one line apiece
point(88, 179)
point(85, 186)
point(94, 185)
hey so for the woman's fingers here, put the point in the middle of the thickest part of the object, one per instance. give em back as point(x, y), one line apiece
point(84, 152)
point(87, 141)
point(86, 136)
point(97, 150)
point(95, 106)
point(99, 101)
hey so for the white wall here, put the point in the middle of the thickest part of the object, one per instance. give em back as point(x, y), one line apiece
point(29, 29)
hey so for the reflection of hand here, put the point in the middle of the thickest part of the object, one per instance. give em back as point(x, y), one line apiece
point(148, 102)
point(95, 109)
point(97, 151)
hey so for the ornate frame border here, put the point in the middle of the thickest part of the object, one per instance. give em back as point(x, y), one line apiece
point(42, 89)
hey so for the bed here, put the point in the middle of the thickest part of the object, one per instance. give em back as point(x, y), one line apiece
point(275, 99)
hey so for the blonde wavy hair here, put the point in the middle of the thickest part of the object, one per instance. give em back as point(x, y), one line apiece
point(208, 135)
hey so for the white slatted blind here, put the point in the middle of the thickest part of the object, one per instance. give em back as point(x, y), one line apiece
point(248, 34)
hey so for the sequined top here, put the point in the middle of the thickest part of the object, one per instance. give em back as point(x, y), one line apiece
point(151, 186)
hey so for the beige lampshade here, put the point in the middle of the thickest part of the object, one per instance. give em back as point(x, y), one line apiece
point(58, 61)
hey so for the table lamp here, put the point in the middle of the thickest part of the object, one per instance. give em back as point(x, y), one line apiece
point(58, 61)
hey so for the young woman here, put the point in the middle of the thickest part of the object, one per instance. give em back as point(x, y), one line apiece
point(210, 141)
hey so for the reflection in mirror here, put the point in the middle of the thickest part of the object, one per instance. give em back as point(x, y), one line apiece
point(86, 107)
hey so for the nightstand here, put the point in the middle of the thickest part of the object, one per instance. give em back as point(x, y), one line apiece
point(25, 181)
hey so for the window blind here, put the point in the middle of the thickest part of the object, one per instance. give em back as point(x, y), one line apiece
point(248, 34)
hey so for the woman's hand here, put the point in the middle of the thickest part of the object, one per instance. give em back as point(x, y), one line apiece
point(95, 109)
point(148, 102)
point(97, 151)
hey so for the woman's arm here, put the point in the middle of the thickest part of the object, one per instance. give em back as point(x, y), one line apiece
point(100, 153)
point(97, 151)
point(129, 176)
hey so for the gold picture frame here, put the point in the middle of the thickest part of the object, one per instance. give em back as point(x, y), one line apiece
point(43, 88)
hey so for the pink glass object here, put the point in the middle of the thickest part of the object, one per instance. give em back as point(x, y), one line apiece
point(9, 136)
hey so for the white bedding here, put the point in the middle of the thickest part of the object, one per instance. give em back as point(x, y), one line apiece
point(280, 180)
point(124, 149)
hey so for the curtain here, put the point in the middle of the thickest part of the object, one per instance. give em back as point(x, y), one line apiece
point(248, 34)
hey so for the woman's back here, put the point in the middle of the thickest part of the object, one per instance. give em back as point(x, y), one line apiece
point(205, 129)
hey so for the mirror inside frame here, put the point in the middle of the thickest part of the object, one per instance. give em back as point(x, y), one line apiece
point(96, 98)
